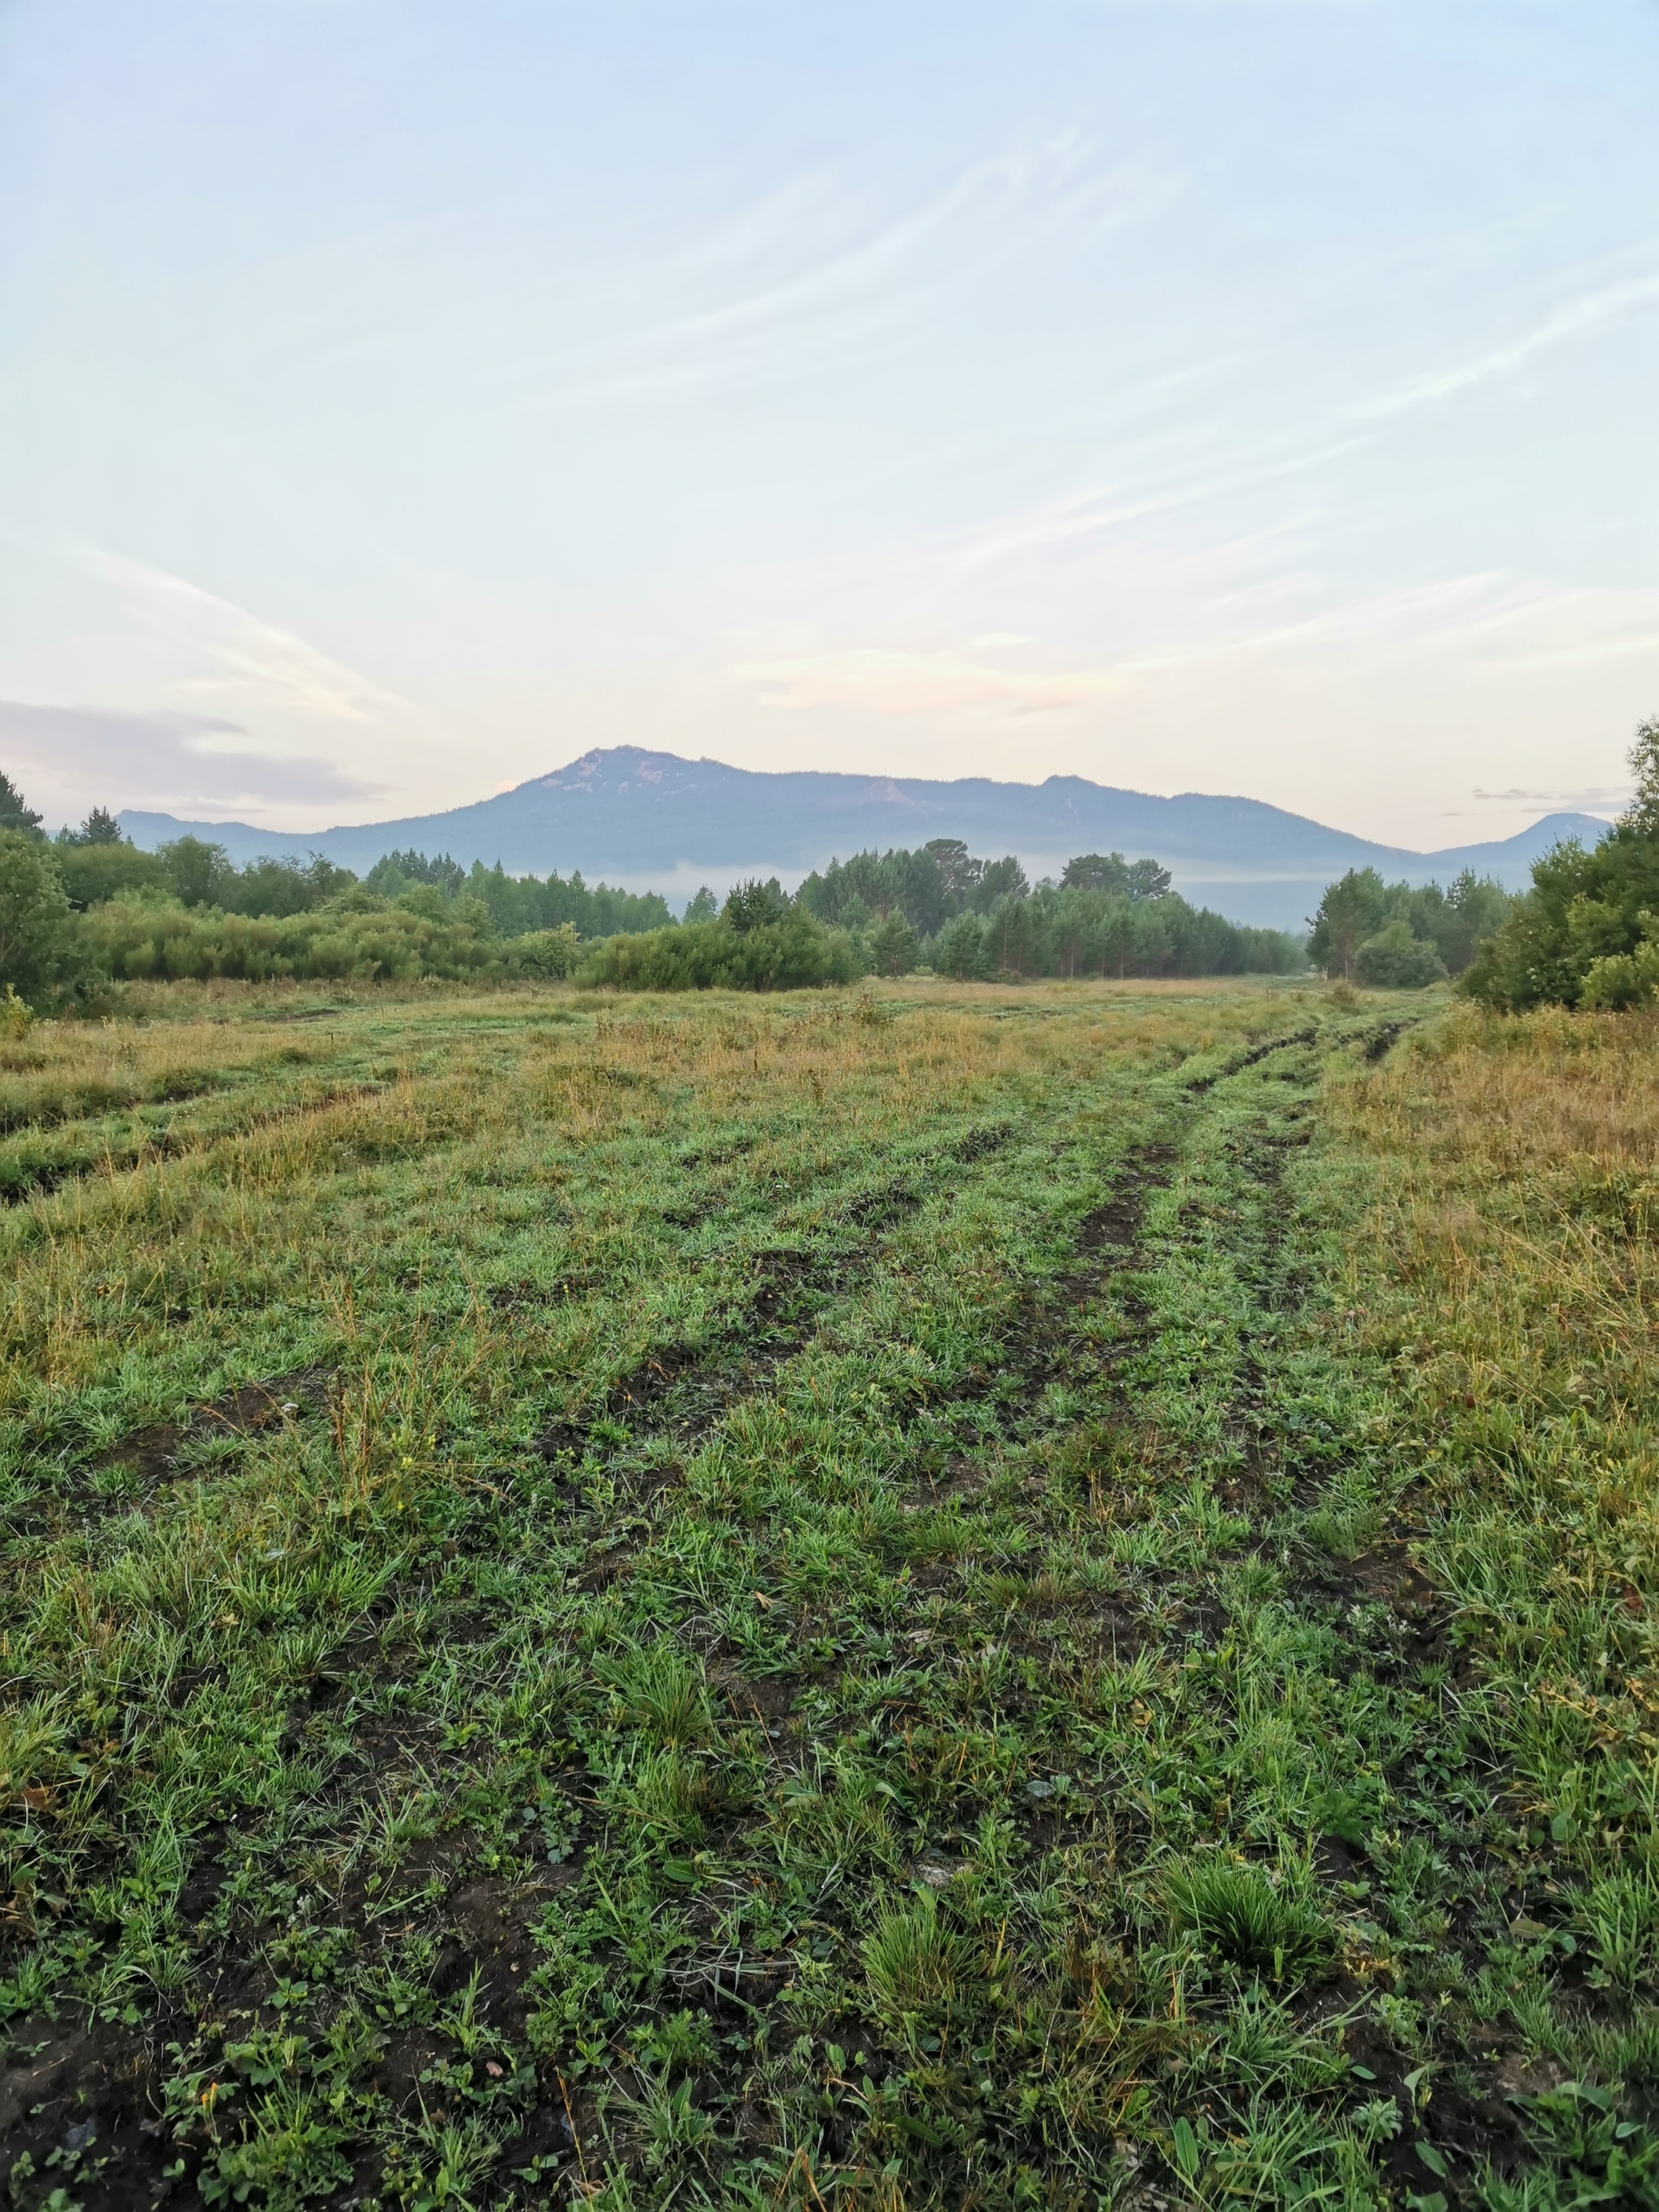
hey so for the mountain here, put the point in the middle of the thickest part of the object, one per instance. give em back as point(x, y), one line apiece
point(653, 821)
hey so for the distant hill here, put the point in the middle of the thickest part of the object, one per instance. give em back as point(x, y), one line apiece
point(653, 821)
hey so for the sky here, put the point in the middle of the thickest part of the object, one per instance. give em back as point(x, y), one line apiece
point(398, 399)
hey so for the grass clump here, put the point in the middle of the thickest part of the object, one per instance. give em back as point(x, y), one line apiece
point(1618, 1916)
point(675, 1798)
point(1240, 1914)
point(914, 1964)
point(660, 1693)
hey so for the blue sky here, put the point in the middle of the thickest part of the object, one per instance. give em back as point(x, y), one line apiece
point(397, 400)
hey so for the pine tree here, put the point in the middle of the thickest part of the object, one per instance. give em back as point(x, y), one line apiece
point(15, 813)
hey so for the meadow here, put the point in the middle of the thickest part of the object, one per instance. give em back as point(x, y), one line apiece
point(920, 1597)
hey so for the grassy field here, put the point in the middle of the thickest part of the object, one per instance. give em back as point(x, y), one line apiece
point(960, 1597)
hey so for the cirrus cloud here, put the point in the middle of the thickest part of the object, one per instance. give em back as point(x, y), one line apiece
point(245, 657)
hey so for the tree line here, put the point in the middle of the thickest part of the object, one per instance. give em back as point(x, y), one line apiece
point(1585, 934)
point(88, 908)
point(97, 863)
point(1401, 937)
point(942, 908)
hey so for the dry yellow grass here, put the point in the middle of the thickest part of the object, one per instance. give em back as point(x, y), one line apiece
point(1521, 1174)
point(1509, 1270)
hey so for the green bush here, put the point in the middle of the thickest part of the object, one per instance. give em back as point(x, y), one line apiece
point(1584, 910)
point(1614, 982)
point(892, 946)
point(357, 937)
point(544, 953)
point(792, 954)
point(93, 873)
point(284, 887)
point(1583, 935)
point(1357, 923)
point(1395, 960)
point(37, 946)
point(201, 874)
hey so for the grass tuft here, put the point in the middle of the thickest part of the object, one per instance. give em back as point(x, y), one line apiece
point(913, 1962)
point(659, 1692)
point(1239, 1913)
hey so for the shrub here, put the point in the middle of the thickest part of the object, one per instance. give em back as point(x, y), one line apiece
point(37, 950)
point(1395, 960)
point(284, 886)
point(893, 947)
point(199, 872)
point(1583, 907)
point(357, 937)
point(1614, 982)
point(1366, 929)
point(794, 953)
point(1352, 909)
point(545, 952)
point(99, 870)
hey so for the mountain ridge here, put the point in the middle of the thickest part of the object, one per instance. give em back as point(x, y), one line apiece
point(654, 820)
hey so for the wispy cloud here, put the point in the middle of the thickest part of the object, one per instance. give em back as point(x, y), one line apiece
point(1610, 303)
point(248, 659)
point(991, 207)
point(1096, 510)
point(1595, 798)
point(813, 271)
point(1513, 620)
point(1101, 508)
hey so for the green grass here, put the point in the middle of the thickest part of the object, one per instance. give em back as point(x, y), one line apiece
point(848, 1600)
